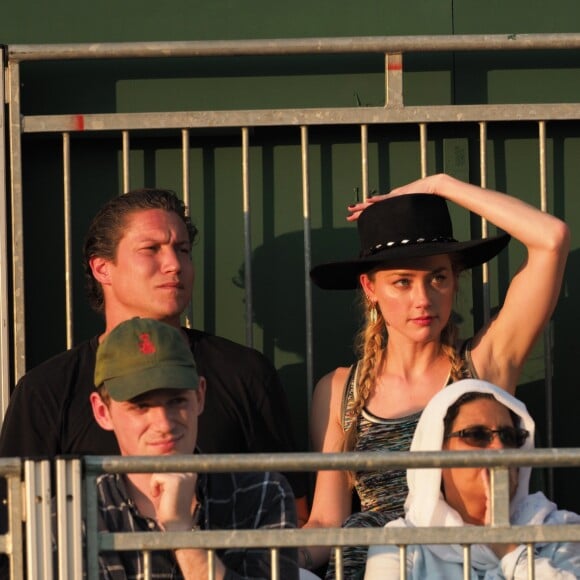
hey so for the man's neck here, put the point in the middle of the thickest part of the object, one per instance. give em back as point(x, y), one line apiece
point(112, 320)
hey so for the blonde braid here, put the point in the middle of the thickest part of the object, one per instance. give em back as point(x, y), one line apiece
point(448, 342)
point(450, 332)
point(371, 342)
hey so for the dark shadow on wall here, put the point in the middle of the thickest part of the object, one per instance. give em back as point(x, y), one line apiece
point(94, 172)
point(279, 305)
point(566, 400)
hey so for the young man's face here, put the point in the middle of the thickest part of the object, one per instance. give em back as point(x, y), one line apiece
point(161, 422)
point(152, 273)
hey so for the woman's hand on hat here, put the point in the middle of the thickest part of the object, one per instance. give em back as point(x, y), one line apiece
point(428, 184)
point(357, 208)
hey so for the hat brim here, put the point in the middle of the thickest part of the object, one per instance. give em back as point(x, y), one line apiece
point(125, 388)
point(344, 275)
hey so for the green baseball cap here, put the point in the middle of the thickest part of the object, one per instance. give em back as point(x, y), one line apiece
point(142, 355)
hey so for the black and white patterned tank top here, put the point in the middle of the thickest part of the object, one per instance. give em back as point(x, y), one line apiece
point(385, 491)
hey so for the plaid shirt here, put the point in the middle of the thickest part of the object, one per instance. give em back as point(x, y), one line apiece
point(229, 501)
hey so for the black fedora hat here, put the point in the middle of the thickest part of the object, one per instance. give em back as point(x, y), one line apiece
point(405, 226)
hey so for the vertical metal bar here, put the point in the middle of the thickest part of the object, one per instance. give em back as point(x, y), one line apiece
point(147, 567)
point(403, 562)
point(364, 149)
point(247, 237)
point(542, 161)
point(15, 519)
point(307, 266)
point(548, 346)
point(4, 315)
point(531, 562)
point(185, 186)
point(484, 232)
point(275, 567)
point(423, 142)
point(92, 530)
point(38, 520)
point(68, 277)
point(500, 496)
point(466, 562)
point(185, 165)
point(126, 151)
point(69, 518)
point(211, 564)
point(394, 80)
point(338, 567)
point(17, 221)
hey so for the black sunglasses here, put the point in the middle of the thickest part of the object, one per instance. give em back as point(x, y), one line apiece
point(481, 436)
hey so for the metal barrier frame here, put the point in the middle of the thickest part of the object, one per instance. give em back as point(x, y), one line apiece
point(4, 281)
point(12, 541)
point(394, 111)
point(499, 530)
point(31, 500)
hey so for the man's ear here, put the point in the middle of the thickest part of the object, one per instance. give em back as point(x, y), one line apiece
point(200, 393)
point(101, 412)
point(100, 269)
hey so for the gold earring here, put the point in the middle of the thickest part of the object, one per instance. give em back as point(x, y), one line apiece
point(373, 314)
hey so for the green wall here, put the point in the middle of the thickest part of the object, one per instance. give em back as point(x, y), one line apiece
point(220, 83)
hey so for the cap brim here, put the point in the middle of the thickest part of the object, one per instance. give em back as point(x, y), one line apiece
point(344, 275)
point(128, 387)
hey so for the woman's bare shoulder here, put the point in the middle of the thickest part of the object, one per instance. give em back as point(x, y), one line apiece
point(327, 433)
point(332, 383)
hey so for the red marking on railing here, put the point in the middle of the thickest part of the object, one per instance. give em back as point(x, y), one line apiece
point(395, 66)
point(79, 123)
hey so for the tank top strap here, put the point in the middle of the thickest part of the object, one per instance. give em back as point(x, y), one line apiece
point(468, 369)
point(348, 396)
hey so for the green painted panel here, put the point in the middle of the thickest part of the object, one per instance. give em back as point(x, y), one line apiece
point(28, 21)
point(515, 16)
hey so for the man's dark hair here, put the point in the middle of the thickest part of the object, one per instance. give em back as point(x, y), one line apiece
point(108, 226)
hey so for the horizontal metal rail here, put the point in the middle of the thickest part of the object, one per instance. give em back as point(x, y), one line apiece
point(293, 46)
point(360, 461)
point(498, 532)
point(299, 117)
point(72, 495)
point(338, 537)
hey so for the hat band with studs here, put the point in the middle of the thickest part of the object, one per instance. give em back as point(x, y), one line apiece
point(384, 245)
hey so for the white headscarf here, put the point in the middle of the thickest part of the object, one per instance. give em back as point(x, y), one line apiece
point(425, 505)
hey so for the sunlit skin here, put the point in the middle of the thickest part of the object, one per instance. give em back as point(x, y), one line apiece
point(466, 489)
point(415, 297)
point(160, 422)
point(415, 365)
point(152, 274)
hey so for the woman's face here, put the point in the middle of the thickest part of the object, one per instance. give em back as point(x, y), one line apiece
point(466, 489)
point(415, 298)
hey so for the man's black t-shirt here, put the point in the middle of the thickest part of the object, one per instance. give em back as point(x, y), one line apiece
point(246, 409)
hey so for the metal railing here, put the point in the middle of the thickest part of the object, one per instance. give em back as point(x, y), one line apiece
point(78, 544)
point(128, 125)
